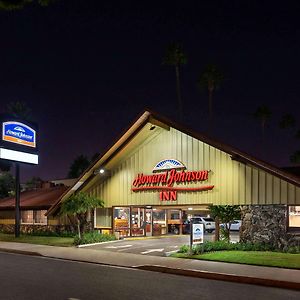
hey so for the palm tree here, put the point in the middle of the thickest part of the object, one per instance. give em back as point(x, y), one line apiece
point(295, 158)
point(263, 114)
point(211, 78)
point(19, 110)
point(20, 4)
point(176, 57)
point(287, 121)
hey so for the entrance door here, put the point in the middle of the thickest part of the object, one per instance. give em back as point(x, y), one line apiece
point(148, 215)
point(138, 225)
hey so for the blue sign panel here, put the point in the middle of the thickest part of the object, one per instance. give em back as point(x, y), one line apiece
point(18, 133)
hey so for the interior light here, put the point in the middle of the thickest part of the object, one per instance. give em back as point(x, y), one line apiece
point(101, 171)
point(190, 208)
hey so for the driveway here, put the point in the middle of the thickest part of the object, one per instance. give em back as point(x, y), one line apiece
point(161, 246)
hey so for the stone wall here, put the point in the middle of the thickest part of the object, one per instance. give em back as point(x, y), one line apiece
point(27, 228)
point(266, 224)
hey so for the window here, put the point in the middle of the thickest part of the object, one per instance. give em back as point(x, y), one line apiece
point(103, 217)
point(122, 220)
point(294, 217)
point(33, 217)
point(27, 216)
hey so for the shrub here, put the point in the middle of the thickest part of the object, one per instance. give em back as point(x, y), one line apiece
point(223, 245)
point(51, 233)
point(184, 249)
point(93, 237)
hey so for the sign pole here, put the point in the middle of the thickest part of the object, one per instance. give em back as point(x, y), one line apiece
point(191, 236)
point(17, 202)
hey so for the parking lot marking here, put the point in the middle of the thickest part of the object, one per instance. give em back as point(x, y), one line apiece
point(117, 247)
point(153, 250)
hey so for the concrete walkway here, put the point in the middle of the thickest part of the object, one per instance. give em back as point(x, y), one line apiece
point(268, 276)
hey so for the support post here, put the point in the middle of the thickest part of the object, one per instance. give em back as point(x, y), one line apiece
point(17, 202)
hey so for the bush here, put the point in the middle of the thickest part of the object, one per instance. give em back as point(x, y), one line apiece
point(51, 233)
point(223, 245)
point(93, 237)
point(184, 249)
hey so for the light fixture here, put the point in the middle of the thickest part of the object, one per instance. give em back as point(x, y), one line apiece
point(190, 208)
point(99, 171)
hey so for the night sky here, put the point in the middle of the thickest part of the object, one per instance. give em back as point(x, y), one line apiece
point(88, 68)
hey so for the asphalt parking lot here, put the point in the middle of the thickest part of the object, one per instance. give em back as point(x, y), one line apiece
point(161, 246)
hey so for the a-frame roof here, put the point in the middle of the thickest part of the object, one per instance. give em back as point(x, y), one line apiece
point(156, 119)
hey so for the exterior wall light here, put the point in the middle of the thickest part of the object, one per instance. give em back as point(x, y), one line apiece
point(99, 171)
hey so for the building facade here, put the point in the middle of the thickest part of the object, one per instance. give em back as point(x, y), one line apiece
point(159, 174)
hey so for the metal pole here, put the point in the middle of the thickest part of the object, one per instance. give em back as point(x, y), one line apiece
point(17, 206)
point(191, 236)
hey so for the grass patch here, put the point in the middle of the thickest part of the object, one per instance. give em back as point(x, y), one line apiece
point(259, 258)
point(40, 240)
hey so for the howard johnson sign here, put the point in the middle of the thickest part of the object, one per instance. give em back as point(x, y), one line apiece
point(168, 177)
point(18, 133)
point(18, 140)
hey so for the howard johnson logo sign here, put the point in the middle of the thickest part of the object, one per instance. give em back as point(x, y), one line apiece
point(169, 178)
point(18, 133)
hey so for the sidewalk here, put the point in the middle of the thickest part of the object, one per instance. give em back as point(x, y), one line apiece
point(268, 276)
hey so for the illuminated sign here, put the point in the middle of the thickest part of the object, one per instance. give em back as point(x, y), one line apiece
point(168, 182)
point(198, 233)
point(18, 133)
point(168, 164)
point(19, 156)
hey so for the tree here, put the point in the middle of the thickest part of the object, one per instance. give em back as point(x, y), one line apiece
point(225, 214)
point(287, 121)
point(19, 110)
point(34, 183)
point(263, 114)
point(78, 206)
point(7, 184)
point(78, 166)
point(295, 158)
point(211, 78)
point(5, 165)
point(20, 4)
point(176, 57)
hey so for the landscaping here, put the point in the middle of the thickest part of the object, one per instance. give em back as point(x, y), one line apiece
point(93, 237)
point(243, 253)
point(40, 240)
point(55, 240)
point(259, 258)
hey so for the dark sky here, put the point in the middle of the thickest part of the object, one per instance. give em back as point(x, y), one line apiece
point(88, 68)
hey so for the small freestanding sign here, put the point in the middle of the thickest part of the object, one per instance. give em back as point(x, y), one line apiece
point(198, 234)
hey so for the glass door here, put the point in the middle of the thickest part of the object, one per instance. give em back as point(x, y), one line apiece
point(138, 224)
point(148, 220)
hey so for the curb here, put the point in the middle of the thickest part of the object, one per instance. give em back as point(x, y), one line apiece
point(95, 244)
point(223, 277)
point(31, 253)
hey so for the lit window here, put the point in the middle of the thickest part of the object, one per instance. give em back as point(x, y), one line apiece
point(294, 216)
point(27, 216)
point(33, 217)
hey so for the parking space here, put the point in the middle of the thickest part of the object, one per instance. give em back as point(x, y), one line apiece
point(160, 246)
